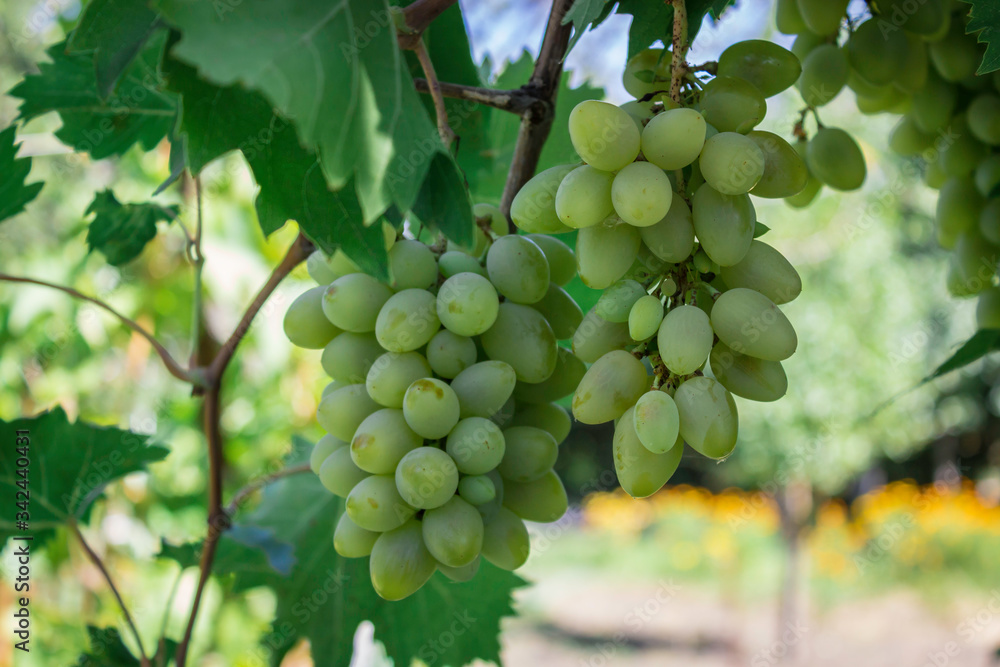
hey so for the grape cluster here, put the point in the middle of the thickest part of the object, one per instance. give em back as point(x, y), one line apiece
point(914, 59)
point(441, 426)
point(666, 228)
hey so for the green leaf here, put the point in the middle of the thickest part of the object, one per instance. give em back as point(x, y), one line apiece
point(106, 650)
point(334, 68)
point(653, 21)
point(216, 120)
point(443, 202)
point(139, 112)
point(69, 466)
point(759, 229)
point(121, 231)
point(14, 194)
point(327, 596)
point(984, 22)
point(243, 548)
point(115, 31)
point(982, 343)
point(582, 14)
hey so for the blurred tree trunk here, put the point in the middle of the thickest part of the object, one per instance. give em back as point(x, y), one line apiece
point(795, 503)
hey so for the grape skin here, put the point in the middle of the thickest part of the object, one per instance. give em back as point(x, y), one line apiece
point(426, 478)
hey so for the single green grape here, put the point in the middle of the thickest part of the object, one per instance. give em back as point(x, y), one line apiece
point(641, 473)
point(616, 302)
point(476, 444)
point(611, 385)
point(823, 17)
point(505, 540)
point(644, 318)
point(824, 74)
point(351, 540)
point(350, 356)
point(755, 379)
point(352, 302)
point(709, 420)
point(522, 338)
point(835, 159)
point(476, 489)
point(684, 339)
point(584, 197)
point(407, 321)
point(656, 421)
point(339, 474)
point(426, 477)
point(454, 262)
point(305, 324)
point(955, 57)
point(411, 265)
point(400, 562)
point(453, 532)
point(605, 252)
point(732, 105)
point(483, 388)
point(381, 440)
point(724, 224)
point(750, 323)
point(449, 354)
point(518, 269)
point(430, 408)
point(529, 453)
point(322, 449)
point(959, 207)
point(785, 172)
point(731, 163)
point(877, 55)
point(641, 194)
point(534, 206)
point(546, 416)
point(672, 238)
point(392, 374)
point(375, 504)
point(341, 412)
point(603, 135)
point(769, 67)
point(596, 336)
point(543, 500)
point(764, 270)
point(562, 261)
point(467, 303)
point(560, 310)
point(674, 138)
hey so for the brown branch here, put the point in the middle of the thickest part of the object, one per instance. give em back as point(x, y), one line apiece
point(96, 560)
point(417, 16)
point(537, 120)
point(516, 101)
point(434, 87)
point(240, 496)
point(678, 67)
point(173, 367)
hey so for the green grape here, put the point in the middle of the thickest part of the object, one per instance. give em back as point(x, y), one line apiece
point(908, 139)
point(752, 378)
point(454, 262)
point(426, 478)
point(934, 104)
point(546, 416)
point(543, 500)
point(750, 323)
point(934, 177)
point(961, 156)
point(560, 257)
point(305, 324)
point(913, 76)
point(476, 444)
point(522, 338)
point(505, 540)
point(788, 18)
point(824, 74)
point(835, 159)
point(349, 356)
point(412, 265)
point(392, 374)
point(453, 533)
point(530, 453)
point(342, 411)
point(322, 449)
point(490, 509)
point(505, 413)
point(339, 474)
point(807, 195)
point(641, 193)
point(638, 111)
point(709, 420)
point(352, 302)
point(785, 173)
point(987, 175)
point(959, 206)
point(765, 270)
point(477, 489)
point(923, 17)
point(769, 67)
point(889, 98)
point(467, 303)
point(989, 221)
point(804, 44)
point(672, 238)
point(584, 197)
point(603, 135)
point(375, 504)
point(656, 421)
point(684, 339)
point(724, 224)
point(605, 252)
point(973, 265)
point(483, 388)
point(568, 372)
point(988, 309)
point(381, 440)
point(644, 318)
point(731, 163)
point(673, 139)
point(612, 385)
point(534, 206)
point(341, 264)
point(400, 562)
point(616, 301)
point(732, 105)
point(351, 540)
point(460, 574)
point(430, 408)
point(704, 264)
point(595, 337)
point(518, 269)
point(319, 269)
point(449, 354)
point(955, 57)
point(656, 73)
point(823, 17)
point(561, 311)
point(876, 55)
point(641, 473)
point(498, 222)
point(407, 321)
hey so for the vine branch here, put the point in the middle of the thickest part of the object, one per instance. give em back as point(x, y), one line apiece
point(173, 367)
point(536, 121)
point(198, 261)
point(416, 17)
point(679, 48)
point(434, 87)
point(240, 496)
point(516, 101)
point(96, 560)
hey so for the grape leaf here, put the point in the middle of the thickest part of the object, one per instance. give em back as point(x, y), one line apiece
point(327, 596)
point(583, 14)
point(121, 231)
point(443, 202)
point(243, 548)
point(69, 466)
point(115, 31)
point(984, 22)
point(982, 343)
point(14, 194)
point(653, 21)
point(759, 229)
point(216, 120)
point(108, 650)
point(334, 68)
point(139, 112)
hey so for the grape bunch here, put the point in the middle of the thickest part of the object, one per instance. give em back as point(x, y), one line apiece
point(915, 60)
point(441, 426)
point(666, 227)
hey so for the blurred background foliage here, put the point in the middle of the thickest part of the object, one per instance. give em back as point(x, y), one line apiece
point(819, 474)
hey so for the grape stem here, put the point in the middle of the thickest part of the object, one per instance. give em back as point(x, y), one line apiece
point(518, 100)
point(434, 87)
point(239, 498)
point(679, 49)
point(416, 17)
